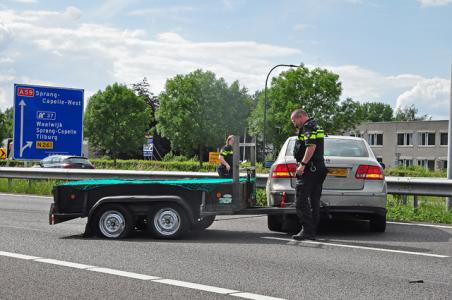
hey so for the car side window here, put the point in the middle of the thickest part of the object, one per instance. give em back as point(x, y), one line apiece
point(290, 146)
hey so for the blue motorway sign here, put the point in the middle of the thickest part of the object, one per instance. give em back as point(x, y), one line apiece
point(47, 120)
point(148, 149)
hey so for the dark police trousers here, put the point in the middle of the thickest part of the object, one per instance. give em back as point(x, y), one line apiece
point(308, 192)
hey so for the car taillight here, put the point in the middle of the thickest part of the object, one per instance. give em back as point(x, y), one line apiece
point(284, 171)
point(67, 166)
point(369, 172)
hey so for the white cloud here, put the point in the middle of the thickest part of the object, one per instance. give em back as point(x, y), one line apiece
point(165, 11)
point(232, 4)
point(25, 1)
point(55, 48)
point(428, 3)
point(6, 35)
point(367, 85)
point(428, 95)
point(112, 7)
point(67, 53)
point(303, 27)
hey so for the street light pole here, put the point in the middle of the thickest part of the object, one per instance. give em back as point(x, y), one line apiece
point(449, 144)
point(265, 106)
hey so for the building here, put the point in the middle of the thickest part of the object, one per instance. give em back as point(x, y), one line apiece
point(413, 143)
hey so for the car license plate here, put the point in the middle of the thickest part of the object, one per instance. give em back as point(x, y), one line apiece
point(338, 172)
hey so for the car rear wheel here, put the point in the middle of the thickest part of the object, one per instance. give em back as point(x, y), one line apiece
point(112, 221)
point(168, 221)
point(274, 222)
point(378, 223)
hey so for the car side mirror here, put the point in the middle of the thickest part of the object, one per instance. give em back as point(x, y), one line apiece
point(383, 165)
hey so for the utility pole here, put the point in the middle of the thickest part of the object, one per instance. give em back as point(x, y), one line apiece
point(449, 144)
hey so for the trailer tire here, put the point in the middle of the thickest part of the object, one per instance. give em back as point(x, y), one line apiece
point(167, 221)
point(112, 221)
point(204, 223)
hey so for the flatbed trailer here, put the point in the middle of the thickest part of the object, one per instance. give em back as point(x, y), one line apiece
point(167, 208)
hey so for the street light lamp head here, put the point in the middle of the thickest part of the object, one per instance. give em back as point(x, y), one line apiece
point(265, 105)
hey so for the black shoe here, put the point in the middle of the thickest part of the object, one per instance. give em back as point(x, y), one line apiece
point(301, 236)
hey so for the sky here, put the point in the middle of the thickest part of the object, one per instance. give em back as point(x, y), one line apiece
point(396, 52)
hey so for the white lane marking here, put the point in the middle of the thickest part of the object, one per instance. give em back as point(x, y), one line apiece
point(123, 273)
point(254, 296)
point(17, 255)
point(196, 286)
point(357, 247)
point(63, 263)
point(26, 195)
point(185, 284)
point(420, 224)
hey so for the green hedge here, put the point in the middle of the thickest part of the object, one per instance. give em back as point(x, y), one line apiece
point(143, 165)
point(414, 172)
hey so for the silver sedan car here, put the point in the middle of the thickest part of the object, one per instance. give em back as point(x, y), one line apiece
point(354, 187)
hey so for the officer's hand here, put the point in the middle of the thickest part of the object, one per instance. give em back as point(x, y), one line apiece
point(300, 170)
point(228, 167)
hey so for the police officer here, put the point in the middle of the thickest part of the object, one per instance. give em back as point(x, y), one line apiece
point(226, 154)
point(311, 172)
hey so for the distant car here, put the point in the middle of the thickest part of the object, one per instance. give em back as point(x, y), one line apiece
point(355, 185)
point(65, 161)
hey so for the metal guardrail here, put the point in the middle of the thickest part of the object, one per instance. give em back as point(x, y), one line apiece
point(396, 185)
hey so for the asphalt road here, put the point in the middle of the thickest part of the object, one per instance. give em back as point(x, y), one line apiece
point(237, 257)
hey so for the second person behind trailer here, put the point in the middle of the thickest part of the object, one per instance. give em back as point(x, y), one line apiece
point(225, 167)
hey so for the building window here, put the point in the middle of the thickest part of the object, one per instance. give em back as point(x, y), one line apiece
point(405, 162)
point(375, 139)
point(404, 139)
point(443, 139)
point(426, 139)
point(427, 163)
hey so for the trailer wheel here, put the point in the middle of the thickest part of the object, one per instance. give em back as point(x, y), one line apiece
point(168, 221)
point(204, 223)
point(112, 221)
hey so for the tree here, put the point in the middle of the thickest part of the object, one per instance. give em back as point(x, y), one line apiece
point(409, 113)
point(6, 124)
point(198, 110)
point(317, 91)
point(376, 112)
point(347, 116)
point(142, 89)
point(116, 121)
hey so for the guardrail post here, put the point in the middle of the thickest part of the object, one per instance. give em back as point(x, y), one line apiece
point(29, 185)
point(10, 184)
point(448, 203)
point(415, 202)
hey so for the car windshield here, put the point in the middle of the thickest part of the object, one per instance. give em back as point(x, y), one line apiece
point(338, 147)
